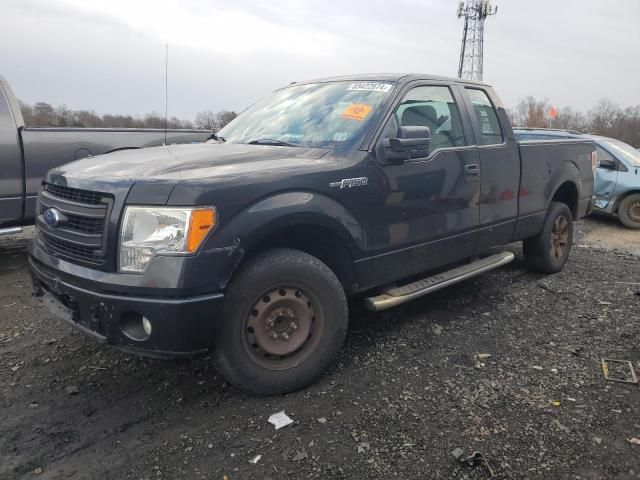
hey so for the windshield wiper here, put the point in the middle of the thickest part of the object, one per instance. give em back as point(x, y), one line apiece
point(217, 138)
point(273, 141)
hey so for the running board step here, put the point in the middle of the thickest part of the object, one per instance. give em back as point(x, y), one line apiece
point(399, 295)
point(10, 231)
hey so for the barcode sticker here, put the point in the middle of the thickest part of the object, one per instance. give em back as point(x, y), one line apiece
point(370, 87)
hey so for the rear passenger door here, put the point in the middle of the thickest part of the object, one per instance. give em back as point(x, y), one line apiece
point(427, 214)
point(499, 166)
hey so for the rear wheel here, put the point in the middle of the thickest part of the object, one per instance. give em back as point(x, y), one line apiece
point(285, 319)
point(629, 211)
point(548, 251)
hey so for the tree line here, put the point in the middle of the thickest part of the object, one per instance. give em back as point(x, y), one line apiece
point(606, 118)
point(42, 114)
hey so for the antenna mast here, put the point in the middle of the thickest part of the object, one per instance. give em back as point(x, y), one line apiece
point(166, 89)
point(474, 12)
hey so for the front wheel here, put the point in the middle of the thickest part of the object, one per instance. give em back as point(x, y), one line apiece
point(284, 322)
point(629, 211)
point(548, 251)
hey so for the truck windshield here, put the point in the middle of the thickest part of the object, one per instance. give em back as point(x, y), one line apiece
point(623, 150)
point(326, 115)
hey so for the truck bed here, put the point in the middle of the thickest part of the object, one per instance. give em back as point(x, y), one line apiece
point(547, 163)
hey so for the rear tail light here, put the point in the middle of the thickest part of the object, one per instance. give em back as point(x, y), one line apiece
point(594, 162)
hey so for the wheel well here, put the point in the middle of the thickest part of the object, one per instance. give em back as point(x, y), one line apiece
point(622, 197)
point(321, 242)
point(567, 194)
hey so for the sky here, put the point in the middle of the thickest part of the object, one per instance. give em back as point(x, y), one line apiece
point(225, 55)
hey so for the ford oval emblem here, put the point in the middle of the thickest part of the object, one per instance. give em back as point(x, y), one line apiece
point(52, 217)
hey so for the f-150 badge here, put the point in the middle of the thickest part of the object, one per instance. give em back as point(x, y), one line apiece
point(349, 182)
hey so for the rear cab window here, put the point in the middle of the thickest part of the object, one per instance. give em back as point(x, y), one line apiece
point(490, 130)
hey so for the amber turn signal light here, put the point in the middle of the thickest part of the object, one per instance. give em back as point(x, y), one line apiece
point(200, 223)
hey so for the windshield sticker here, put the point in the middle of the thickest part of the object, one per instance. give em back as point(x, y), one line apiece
point(356, 111)
point(370, 87)
point(340, 136)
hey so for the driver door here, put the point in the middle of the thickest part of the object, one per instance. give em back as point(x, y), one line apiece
point(429, 213)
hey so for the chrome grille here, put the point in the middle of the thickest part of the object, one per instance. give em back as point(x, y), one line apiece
point(81, 235)
point(55, 245)
point(82, 224)
point(74, 194)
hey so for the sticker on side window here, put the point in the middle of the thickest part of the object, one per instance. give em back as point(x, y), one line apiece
point(356, 111)
point(370, 87)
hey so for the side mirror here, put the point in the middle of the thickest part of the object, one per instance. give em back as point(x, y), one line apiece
point(608, 164)
point(411, 142)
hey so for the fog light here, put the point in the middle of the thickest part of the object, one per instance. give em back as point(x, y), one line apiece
point(135, 326)
point(146, 325)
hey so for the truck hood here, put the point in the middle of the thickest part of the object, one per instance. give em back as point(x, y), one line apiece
point(195, 161)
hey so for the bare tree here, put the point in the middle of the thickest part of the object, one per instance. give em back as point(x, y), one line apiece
point(224, 117)
point(43, 115)
point(570, 119)
point(89, 119)
point(206, 120)
point(606, 119)
point(209, 120)
point(532, 113)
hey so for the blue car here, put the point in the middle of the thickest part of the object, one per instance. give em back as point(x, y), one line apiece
point(617, 182)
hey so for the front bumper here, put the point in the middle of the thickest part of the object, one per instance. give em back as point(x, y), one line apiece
point(180, 325)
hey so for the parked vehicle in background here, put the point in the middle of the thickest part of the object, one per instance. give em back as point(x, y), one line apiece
point(250, 246)
point(26, 154)
point(617, 183)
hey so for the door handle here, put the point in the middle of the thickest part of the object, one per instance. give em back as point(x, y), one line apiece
point(472, 169)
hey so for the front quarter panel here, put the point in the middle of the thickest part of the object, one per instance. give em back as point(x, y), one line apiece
point(253, 205)
point(249, 227)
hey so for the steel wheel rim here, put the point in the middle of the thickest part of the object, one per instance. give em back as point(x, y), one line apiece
point(633, 211)
point(282, 327)
point(559, 242)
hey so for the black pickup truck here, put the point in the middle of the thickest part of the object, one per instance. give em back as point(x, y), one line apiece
point(389, 186)
point(26, 154)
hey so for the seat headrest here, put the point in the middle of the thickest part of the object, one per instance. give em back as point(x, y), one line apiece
point(420, 116)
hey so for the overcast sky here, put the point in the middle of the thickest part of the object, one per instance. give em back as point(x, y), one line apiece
point(109, 55)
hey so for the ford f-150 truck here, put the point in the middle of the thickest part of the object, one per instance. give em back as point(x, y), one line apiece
point(383, 186)
point(27, 153)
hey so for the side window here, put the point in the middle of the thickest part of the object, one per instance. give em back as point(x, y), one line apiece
point(490, 132)
point(433, 107)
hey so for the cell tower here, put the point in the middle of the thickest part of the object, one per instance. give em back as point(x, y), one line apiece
point(475, 12)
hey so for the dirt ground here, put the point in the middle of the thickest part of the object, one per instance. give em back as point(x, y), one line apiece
point(409, 387)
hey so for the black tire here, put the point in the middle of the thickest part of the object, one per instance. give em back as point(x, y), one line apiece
point(271, 290)
point(548, 251)
point(629, 211)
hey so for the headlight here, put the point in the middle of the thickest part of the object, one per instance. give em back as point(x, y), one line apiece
point(149, 231)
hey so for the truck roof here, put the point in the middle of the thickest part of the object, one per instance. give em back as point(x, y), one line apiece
point(390, 77)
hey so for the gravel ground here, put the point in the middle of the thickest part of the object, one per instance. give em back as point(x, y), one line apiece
point(507, 364)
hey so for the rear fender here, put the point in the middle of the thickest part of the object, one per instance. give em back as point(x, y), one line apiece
point(566, 172)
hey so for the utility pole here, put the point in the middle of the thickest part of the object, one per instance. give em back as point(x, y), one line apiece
point(474, 12)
